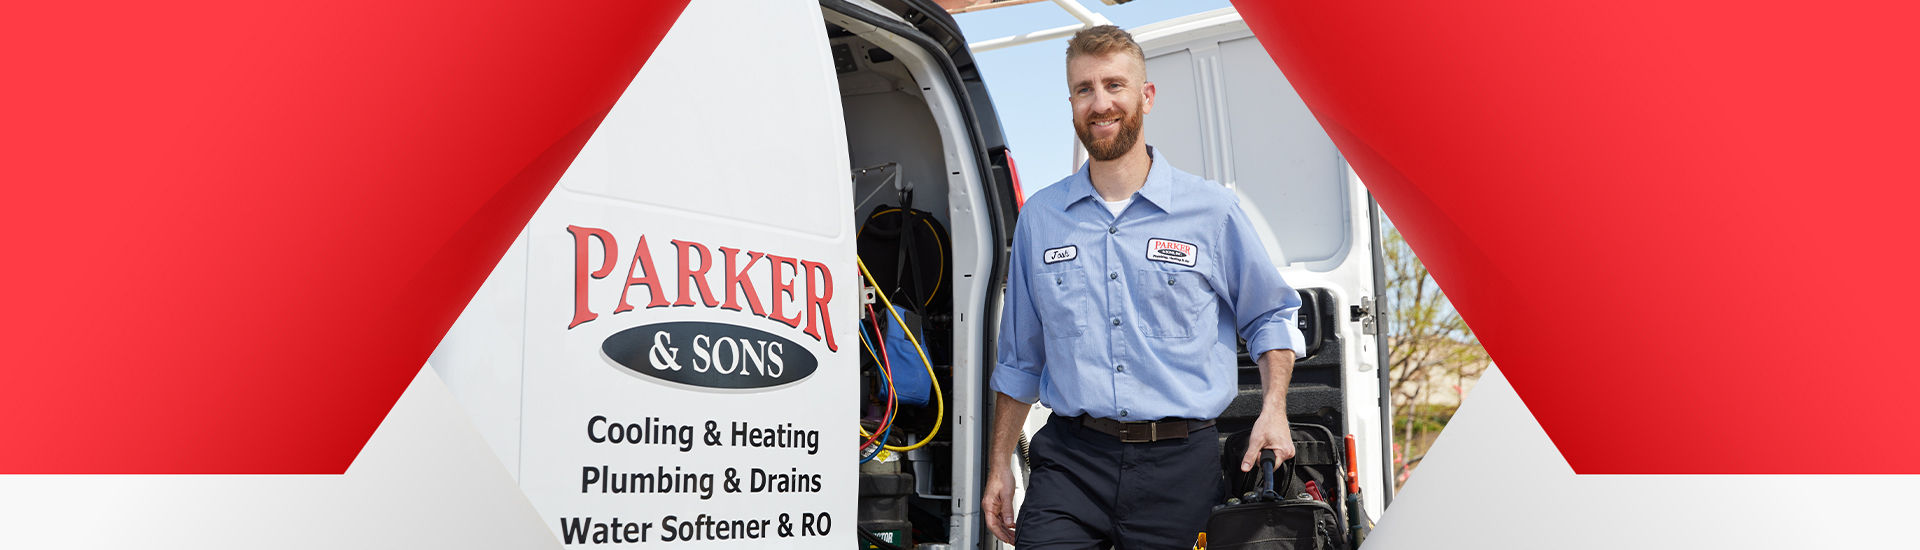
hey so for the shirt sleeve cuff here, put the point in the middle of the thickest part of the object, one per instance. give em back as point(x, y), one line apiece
point(1280, 334)
point(1018, 384)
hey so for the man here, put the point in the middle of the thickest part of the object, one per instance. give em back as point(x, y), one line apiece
point(1129, 283)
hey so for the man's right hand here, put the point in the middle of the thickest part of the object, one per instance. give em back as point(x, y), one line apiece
point(996, 503)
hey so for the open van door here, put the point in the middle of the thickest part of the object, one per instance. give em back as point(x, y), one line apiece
point(1224, 111)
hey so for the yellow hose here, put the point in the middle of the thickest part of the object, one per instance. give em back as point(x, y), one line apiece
point(940, 402)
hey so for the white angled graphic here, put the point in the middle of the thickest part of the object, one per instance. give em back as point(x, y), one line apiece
point(424, 480)
point(1494, 480)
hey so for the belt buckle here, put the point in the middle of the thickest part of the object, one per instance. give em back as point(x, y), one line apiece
point(1130, 433)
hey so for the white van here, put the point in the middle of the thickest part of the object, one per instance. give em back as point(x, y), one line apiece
point(670, 352)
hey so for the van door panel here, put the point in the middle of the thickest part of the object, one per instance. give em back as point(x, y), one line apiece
point(725, 156)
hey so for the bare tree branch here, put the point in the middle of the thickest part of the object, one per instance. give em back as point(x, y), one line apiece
point(1433, 353)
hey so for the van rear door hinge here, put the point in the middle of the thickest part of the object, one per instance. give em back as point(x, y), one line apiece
point(1364, 314)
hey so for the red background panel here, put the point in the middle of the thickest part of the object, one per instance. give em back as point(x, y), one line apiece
point(235, 230)
point(1682, 229)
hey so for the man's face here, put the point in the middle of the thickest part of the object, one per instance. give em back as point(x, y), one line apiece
point(1110, 97)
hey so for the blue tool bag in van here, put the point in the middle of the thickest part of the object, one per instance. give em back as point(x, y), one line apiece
point(910, 378)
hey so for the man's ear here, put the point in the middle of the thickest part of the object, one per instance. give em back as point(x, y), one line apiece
point(1146, 93)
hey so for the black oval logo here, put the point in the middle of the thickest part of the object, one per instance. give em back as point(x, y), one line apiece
point(1172, 252)
point(710, 355)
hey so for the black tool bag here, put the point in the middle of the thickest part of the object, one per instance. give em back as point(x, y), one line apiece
point(1264, 520)
point(906, 250)
point(1317, 459)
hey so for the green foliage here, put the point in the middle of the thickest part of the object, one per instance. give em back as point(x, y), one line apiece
point(1423, 417)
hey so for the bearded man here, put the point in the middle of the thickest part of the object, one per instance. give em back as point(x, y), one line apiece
point(1130, 281)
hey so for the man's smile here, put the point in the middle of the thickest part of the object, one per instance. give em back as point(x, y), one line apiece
point(1105, 124)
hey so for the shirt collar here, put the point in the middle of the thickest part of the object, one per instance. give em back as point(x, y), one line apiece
point(1158, 189)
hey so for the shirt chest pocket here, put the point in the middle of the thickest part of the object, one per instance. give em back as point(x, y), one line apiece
point(1063, 300)
point(1174, 304)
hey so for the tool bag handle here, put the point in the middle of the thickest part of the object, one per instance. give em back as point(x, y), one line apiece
point(1268, 470)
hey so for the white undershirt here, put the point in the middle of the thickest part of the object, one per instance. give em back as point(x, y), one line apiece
point(1116, 207)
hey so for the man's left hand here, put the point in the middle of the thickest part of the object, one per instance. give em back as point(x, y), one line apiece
point(1270, 431)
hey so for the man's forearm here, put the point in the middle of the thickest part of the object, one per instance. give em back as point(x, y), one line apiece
point(1276, 373)
point(1270, 430)
point(1009, 416)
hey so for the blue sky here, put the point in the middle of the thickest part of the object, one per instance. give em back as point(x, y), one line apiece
point(1028, 83)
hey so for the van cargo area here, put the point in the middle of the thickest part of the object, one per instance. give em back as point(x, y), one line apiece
point(925, 236)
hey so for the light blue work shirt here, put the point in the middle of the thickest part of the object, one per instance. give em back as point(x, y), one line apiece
point(1134, 318)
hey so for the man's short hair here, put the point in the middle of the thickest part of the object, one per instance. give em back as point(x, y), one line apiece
point(1104, 40)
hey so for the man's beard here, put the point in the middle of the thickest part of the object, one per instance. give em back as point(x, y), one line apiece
point(1113, 147)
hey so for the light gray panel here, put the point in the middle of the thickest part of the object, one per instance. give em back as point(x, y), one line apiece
point(1173, 128)
point(424, 480)
point(1281, 159)
point(896, 127)
point(1494, 480)
point(481, 357)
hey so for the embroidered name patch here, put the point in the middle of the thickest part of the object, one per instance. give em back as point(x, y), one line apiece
point(1173, 252)
point(1062, 254)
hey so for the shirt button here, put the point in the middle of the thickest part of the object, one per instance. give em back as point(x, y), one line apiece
point(1113, 275)
point(1112, 229)
point(1169, 282)
point(1123, 412)
point(1059, 280)
point(1116, 321)
point(1120, 368)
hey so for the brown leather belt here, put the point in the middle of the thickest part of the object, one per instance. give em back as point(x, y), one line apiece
point(1141, 432)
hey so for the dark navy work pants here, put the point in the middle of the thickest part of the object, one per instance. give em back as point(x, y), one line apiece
point(1089, 490)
